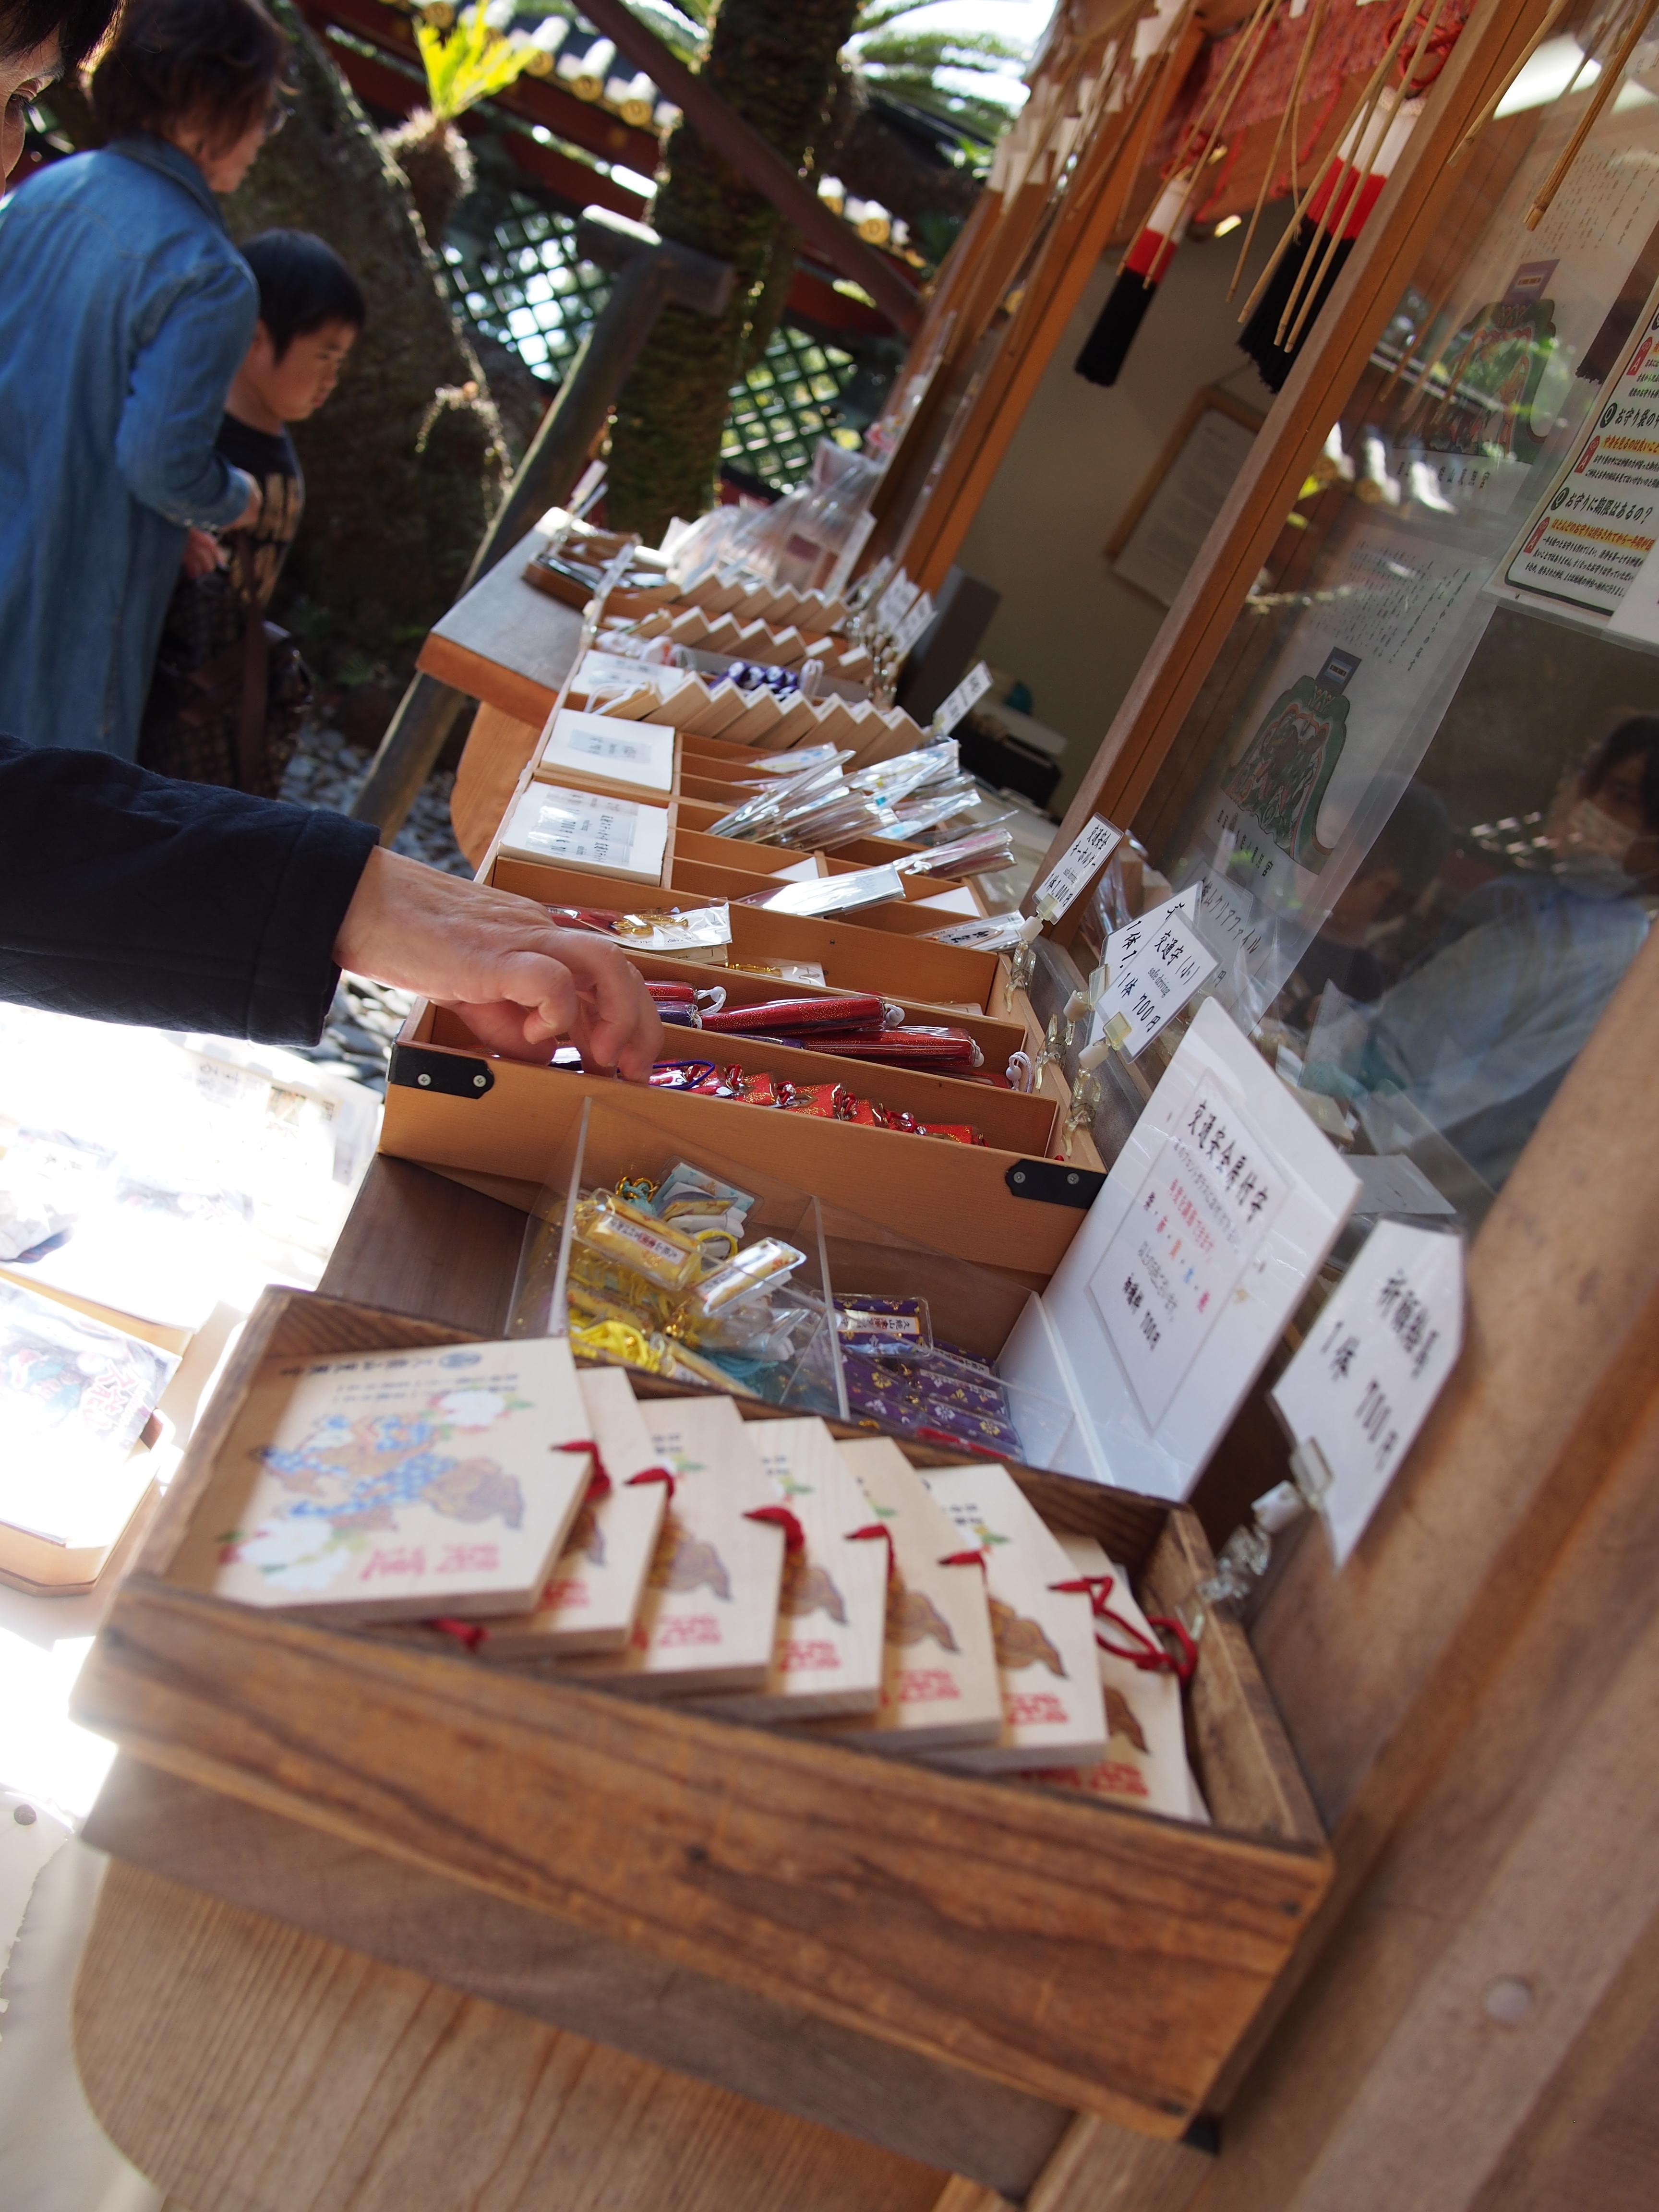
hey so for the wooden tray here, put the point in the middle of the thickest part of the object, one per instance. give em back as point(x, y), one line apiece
point(1064, 1947)
point(900, 961)
point(499, 1125)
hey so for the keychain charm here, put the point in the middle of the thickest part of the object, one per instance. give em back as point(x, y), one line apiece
point(1022, 963)
point(1085, 1095)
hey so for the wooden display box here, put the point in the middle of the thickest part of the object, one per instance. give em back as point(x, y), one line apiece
point(1064, 1948)
point(699, 812)
point(853, 955)
point(500, 1125)
point(704, 867)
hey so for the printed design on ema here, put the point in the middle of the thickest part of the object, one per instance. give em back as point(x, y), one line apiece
point(912, 1615)
point(1021, 1642)
point(351, 1478)
point(809, 1589)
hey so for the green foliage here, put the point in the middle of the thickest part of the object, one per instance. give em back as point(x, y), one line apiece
point(910, 65)
point(475, 52)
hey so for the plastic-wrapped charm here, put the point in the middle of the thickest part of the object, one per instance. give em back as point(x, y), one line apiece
point(768, 1261)
point(868, 1322)
point(662, 1254)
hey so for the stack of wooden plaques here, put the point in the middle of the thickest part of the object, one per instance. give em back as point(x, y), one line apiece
point(933, 1930)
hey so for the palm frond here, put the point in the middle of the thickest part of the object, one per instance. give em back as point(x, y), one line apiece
point(878, 14)
point(984, 51)
point(981, 120)
point(682, 25)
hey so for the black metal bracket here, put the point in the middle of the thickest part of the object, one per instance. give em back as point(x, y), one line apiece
point(1053, 1182)
point(452, 1075)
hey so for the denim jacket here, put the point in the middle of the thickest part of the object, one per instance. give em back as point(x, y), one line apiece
point(125, 312)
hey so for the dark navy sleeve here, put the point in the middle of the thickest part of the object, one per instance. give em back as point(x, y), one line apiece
point(130, 897)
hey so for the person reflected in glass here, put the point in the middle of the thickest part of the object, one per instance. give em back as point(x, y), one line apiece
point(1479, 1037)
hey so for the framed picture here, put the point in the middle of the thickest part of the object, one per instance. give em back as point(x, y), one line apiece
point(1159, 532)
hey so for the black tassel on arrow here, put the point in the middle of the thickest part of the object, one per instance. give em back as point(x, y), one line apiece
point(1107, 346)
point(1260, 340)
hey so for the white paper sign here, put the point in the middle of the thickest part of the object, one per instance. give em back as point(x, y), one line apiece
point(1154, 976)
point(920, 614)
point(1082, 861)
point(967, 694)
point(1061, 1349)
point(606, 745)
point(1361, 1385)
point(995, 933)
point(1198, 1220)
point(895, 603)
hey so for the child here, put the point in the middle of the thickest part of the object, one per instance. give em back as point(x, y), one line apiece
point(230, 691)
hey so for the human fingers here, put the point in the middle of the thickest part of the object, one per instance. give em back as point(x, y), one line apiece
point(618, 1019)
point(503, 1027)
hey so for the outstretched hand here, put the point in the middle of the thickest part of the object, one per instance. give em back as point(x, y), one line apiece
point(516, 981)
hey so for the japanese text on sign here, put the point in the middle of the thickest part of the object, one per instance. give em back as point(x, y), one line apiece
point(920, 614)
point(895, 604)
point(1206, 1203)
point(1077, 867)
point(1601, 520)
point(1361, 1386)
point(967, 694)
point(1160, 964)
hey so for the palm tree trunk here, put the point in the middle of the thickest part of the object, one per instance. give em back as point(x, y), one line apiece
point(774, 62)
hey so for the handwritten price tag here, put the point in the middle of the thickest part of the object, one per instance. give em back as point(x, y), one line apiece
point(1362, 1384)
point(895, 603)
point(1160, 964)
point(967, 694)
point(1193, 1226)
point(1077, 867)
point(920, 614)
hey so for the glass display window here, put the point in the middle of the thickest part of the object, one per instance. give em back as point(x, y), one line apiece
point(1420, 790)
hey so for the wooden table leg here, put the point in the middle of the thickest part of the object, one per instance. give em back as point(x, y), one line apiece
point(246, 2067)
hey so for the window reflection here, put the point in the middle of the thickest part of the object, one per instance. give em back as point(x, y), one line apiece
point(1477, 1033)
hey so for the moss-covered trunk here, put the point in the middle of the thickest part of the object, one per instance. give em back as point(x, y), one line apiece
point(774, 62)
point(404, 464)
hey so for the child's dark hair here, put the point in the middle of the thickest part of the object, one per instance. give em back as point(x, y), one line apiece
point(217, 63)
point(303, 284)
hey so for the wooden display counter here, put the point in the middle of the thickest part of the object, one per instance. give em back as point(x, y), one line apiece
point(940, 2042)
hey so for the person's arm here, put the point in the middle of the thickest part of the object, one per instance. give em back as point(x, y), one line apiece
point(176, 403)
point(129, 897)
point(516, 981)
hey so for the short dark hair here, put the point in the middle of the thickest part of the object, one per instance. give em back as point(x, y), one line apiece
point(303, 283)
point(174, 60)
point(1637, 733)
point(80, 24)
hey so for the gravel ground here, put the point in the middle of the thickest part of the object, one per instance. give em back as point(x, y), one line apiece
point(326, 771)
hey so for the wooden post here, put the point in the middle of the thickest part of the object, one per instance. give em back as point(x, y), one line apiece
point(649, 271)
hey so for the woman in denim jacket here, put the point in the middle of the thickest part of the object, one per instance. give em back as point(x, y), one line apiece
point(124, 311)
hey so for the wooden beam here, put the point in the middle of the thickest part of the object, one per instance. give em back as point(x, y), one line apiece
point(537, 100)
point(361, 2085)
